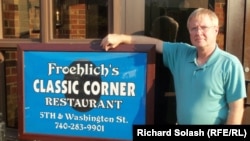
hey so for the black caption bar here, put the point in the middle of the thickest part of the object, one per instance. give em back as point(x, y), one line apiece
point(142, 132)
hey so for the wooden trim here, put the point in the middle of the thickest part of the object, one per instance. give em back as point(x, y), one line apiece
point(235, 27)
point(119, 16)
point(247, 42)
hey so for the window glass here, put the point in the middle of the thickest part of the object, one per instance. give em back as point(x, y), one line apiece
point(21, 18)
point(179, 10)
point(80, 19)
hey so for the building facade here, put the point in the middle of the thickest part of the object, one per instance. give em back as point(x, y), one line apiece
point(88, 21)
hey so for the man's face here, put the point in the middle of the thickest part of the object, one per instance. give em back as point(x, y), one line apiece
point(202, 31)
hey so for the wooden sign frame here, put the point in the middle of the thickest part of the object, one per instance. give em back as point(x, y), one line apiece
point(30, 67)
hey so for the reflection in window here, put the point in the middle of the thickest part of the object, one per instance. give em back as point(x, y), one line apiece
point(21, 18)
point(179, 10)
point(80, 19)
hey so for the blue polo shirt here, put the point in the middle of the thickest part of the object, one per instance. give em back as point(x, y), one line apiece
point(203, 92)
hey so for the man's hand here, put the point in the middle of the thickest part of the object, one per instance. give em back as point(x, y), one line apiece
point(111, 41)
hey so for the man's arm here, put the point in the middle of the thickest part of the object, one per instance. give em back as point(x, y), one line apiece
point(236, 111)
point(113, 40)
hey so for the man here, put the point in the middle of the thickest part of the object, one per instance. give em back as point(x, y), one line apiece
point(209, 82)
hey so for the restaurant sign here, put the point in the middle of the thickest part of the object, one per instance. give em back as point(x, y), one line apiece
point(80, 91)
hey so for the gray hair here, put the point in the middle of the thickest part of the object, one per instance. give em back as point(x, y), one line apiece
point(201, 12)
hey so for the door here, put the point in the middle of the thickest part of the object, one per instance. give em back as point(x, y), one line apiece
point(246, 62)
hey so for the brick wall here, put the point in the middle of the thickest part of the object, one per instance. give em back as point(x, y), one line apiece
point(77, 20)
point(16, 15)
point(11, 87)
point(220, 10)
point(10, 19)
point(73, 23)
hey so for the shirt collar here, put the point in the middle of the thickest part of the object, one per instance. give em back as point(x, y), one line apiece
point(211, 60)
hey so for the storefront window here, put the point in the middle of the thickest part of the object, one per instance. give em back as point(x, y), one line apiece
point(72, 19)
point(21, 18)
point(179, 11)
point(80, 19)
